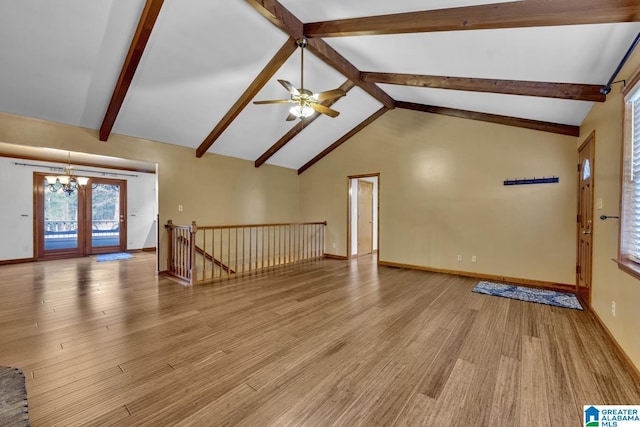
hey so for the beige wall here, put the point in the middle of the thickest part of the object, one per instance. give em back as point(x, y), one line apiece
point(442, 194)
point(213, 190)
point(610, 283)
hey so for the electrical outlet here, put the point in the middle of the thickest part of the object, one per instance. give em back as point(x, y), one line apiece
point(459, 258)
point(613, 308)
point(334, 246)
point(473, 258)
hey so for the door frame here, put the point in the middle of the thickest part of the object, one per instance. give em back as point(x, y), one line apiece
point(89, 249)
point(591, 139)
point(349, 207)
point(84, 220)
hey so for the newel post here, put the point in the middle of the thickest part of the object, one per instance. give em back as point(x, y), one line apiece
point(169, 226)
point(193, 229)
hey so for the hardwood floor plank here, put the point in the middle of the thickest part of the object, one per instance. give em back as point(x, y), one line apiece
point(512, 343)
point(416, 411)
point(450, 404)
point(534, 407)
point(506, 395)
point(559, 390)
point(440, 370)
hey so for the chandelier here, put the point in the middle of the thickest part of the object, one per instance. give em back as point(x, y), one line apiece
point(67, 182)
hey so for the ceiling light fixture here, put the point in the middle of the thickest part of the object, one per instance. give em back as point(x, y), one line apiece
point(67, 182)
point(301, 111)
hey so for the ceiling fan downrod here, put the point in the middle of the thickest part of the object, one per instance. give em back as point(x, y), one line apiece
point(302, 43)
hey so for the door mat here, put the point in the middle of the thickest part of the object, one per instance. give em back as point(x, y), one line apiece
point(541, 296)
point(113, 257)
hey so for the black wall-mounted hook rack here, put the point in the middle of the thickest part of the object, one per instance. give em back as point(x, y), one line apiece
point(532, 181)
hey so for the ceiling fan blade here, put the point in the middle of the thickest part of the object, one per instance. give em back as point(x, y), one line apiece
point(324, 110)
point(329, 94)
point(288, 86)
point(273, 101)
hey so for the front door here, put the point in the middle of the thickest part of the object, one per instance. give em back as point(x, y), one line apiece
point(585, 217)
point(87, 221)
point(365, 217)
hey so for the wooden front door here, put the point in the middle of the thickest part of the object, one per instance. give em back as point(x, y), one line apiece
point(585, 217)
point(365, 217)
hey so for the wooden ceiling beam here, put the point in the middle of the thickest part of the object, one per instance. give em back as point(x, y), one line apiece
point(494, 118)
point(579, 92)
point(299, 127)
point(343, 139)
point(279, 16)
point(329, 55)
point(136, 49)
point(258, 83)
point(287, 22)
point(517, 14)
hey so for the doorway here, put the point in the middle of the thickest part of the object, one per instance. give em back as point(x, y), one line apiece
point(363, 215)
point(586, 154)
point(90, 220)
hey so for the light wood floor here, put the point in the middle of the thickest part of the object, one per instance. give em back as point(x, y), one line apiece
point(322, 343)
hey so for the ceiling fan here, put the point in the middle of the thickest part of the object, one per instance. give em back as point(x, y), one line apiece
point(306, 102)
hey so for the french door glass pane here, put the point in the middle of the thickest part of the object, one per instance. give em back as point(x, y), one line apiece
point(105, 216)
point(60, 220)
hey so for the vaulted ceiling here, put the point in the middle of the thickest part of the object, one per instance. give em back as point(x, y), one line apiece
point(186, 72)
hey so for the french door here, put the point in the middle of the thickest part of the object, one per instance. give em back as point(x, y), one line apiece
point(90, 220)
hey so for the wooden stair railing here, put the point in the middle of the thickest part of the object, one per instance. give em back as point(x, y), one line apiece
point(208, 253)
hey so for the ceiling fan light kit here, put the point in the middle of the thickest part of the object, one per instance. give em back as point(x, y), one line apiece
point(306, 102)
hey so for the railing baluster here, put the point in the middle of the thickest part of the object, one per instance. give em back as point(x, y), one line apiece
point(236, 269)
point(279, 245)
point(268, 246)
point(214, 249)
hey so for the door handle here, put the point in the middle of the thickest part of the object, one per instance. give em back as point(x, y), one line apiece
point(586, 231)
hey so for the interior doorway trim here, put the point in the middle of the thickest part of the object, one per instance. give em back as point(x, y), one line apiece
point(376, 208)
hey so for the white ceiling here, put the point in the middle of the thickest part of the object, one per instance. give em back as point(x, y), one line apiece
point(61, 62)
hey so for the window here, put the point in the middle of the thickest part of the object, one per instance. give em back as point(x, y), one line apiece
point(586, 170)
point(629, 254)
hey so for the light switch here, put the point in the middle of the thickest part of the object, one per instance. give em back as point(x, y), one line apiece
point(599, 203)
point(180, 208)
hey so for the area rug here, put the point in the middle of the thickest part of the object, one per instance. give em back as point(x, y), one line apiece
point(541, 296)
point(13, 398)
point(113, 257)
